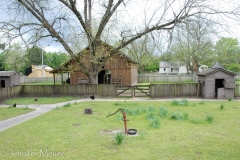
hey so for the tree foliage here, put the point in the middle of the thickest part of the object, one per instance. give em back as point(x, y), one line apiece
point(227, 51)
point(70, 22)
point(192, 44)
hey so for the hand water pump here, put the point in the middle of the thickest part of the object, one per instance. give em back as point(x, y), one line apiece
point(124, 118)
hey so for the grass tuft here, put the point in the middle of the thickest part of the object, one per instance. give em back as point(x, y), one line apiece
point(163, 111)
point(221, 106)
point(119, 137)
point(209, 118)
point(179, 116)
point(182, 102)
point(67, 105)
point(155, 123)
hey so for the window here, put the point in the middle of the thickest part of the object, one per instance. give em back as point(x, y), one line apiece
point(164, 69)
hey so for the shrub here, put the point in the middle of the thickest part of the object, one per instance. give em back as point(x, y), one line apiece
point(222, 106)
point(209, 118)
point(179, 116)
point(67, 105)
point(116, 104)
point(163, 111)
point(155, 123)
point(151, 109)
point(119, 137)
point(202, 102)
point(182, 102)
point(150, 116)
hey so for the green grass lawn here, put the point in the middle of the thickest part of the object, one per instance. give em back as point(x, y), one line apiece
point(179, 130)
point(10, 112)
point(41, 100)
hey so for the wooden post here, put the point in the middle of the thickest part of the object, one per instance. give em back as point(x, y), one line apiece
point(88, 110)
point(133, 91)
point(198, 88)
point(54, 79)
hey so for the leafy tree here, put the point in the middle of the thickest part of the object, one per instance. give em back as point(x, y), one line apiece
point(233, 67)
point(227, 51)
point(35, 55)
point(15, 58)
point(55, 59)
point(65, 21)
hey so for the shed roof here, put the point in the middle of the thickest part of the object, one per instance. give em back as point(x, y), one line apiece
point(214, 70)
point(6, 73)
point(218, 65)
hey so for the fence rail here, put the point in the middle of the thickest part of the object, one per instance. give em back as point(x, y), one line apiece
point(155, 90)
point(164, 78)
point(173, 90)
point(42, 79)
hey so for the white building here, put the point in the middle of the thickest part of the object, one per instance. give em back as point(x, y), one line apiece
point(176, 67)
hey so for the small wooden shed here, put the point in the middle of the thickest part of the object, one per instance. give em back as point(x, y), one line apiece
point(119, 69)
point(9, 79)
point(217, 82)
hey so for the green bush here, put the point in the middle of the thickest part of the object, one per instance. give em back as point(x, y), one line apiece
point(209, 118)
point(155, 123)
point(67, 105)
point(179, 116)
point(182, 102)
point(119, 137)
point(163, 111)
point(222, 106)
point(150, 116)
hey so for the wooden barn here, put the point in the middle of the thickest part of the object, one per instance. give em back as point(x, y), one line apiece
point(119, 69)
point(217, 82)
point(9, 79)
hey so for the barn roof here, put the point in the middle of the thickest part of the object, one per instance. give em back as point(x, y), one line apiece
point(216, 68)
point(6, 73)
point(63, 67)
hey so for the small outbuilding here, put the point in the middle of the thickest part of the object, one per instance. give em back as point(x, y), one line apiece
point(217, 82)
point(9, 79)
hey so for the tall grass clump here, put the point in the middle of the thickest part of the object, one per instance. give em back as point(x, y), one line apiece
point(179, 116)
point(119, 137)
point(209, 118)
point(202, 102)
point(155, 123)
point(67, 105)
point(150, 116)
point(163, 111)
point(182, 102)
point(230, 99)
point(221, 106)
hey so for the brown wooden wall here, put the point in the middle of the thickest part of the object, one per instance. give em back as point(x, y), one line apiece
point(119, 67)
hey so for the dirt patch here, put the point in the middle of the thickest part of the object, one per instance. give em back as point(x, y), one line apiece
point(76, 125)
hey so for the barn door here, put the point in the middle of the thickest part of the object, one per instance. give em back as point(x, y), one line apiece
point(221, 94)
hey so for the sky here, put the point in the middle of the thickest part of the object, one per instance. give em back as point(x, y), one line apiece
point(132, 9)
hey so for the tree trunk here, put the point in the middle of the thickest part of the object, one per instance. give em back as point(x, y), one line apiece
point(93, 78)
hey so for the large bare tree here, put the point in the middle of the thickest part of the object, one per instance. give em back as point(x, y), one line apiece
point(193, 43)
point(68, 22)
